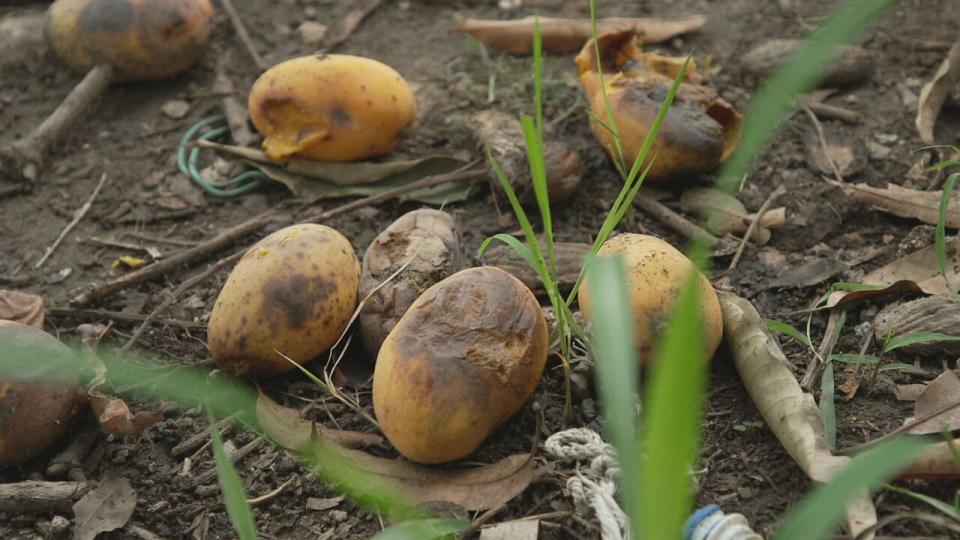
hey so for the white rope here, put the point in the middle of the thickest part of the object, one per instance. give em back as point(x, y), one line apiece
point(593, 488)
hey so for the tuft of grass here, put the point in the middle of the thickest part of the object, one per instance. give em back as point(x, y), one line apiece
point(234, 498)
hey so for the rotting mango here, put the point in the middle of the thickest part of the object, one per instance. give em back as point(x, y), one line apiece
point(656, 272)
point(462, 360)
point(292, 294)
point(699, 131)
point(331, 107)
point(141, 39)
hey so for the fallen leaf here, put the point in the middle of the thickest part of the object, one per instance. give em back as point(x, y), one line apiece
point(291, 431)
point(128, 261)
point(340, 30)
point(934, 462)
point(479, 488)
point(115, 416)
point(934, 93)
point(314, 180)
point(568, 35)
point(807, 274)
point(909, 392)
point(850, 384)
point(928, 318)
point(518, 529)
point(21, 307)
point(791, 413)
point(847, 154)
point(904, 202)
point(320, 505)
point(106, 508)
point(939, 393)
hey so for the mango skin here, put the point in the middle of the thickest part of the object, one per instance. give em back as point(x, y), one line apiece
point(34, 416)
point(656, 272)
point(331, 107)
point(293, 292)
point(462, 360)
point(141, 39)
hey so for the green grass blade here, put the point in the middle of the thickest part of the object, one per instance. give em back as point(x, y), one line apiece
point(538, 175)
point(868, 359)
point(241, 516)
point(940, 239)
point(775, 98)
point(538, 77)
point(522, 249)
point(915, 338)
point(518, 211)
point(673, 418)
point(947, 509)
point(616, 366)
point(820, 513)
point(899, 366)
point(828, 409)
point(786, 329)
point(423, 529)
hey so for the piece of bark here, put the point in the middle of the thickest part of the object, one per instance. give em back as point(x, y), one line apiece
point(852, 65)
point(570, 257)
point(936, 314)
point(904, 202)
point(33, 496)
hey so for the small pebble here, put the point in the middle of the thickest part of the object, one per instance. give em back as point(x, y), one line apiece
point(311, 33)
point(877, 151)
point(338, 515)
point(175, 108)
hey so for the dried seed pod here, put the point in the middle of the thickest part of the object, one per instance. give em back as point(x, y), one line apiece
point(851, 65)
point(934, 314)
point(462, 360)
point(429, 240)
point(34, 415)
point(700, 130)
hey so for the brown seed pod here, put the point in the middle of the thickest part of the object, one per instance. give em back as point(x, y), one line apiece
point(141, 39)
point(292, 293)
point(34, 415)
point(430, 241)
point(463, 359)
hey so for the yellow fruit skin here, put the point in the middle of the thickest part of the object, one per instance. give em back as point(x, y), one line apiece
point(293, 292)
point(34, 416)
point(141, 39)
point(331, 107)
point(656, 272)
point(463, 359)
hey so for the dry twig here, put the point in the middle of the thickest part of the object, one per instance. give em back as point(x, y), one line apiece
point(675, 221)
point(33, 496)
point(753, 225)
point(242, 33)
point(77, 216)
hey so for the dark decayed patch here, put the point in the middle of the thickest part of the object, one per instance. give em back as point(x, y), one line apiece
point(340, 117)
point(105, 16)
point(295, 297)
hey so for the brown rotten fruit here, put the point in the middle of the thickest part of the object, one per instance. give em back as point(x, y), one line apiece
point(291, 294)
point(463, 359)
point(656, 271)
point(331, 107)
point(35, 408)
point(700, 129)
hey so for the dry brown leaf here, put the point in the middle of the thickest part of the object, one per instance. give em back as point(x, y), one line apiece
point(106, 508)
point(115, 416)
point(291, 431)
point(340, 30)
point(934, 93)
point(903, 202)
point(848, 155)
point(517, 529)
point(940, 393)
point(939, 314)
point(791, 413)
point(936, 461)
point(568, 35)
point(909, 392)
point(479, 488)
point(21, 307)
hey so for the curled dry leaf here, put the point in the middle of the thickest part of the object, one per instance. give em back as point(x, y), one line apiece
point(934, 462)
point(291, 431)
point(107, 508)
point(848, 155)
point(568, 35)
point(701, 130)
point(113, 414)
point(940, 393)
point(791, 413)
point(938, 314)
point(502, 135)
point(934, 93)
point(904, 202)
point(851, 65)
point(725, 214)
point(479, 488)
point(569, 257)
point(21, 307)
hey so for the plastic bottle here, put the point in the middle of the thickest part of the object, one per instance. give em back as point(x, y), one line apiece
point(710, 523)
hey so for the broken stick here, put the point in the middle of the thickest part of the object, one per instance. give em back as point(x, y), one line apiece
point(33, 496)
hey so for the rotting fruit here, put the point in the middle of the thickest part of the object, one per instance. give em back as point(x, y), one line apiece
point(291, 295)
point(656, 272)
point(699, 131)
point(462, 360)
point(331, 107)
point(34, 415)
point(140, 39)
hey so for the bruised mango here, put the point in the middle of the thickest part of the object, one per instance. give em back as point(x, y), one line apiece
point(141, 39)
point(36, 407)
point(700, 129)
point(331, 107)
point(292, 294)
point(463, 359)
point(656, 272)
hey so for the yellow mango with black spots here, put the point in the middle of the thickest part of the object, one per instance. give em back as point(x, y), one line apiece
point(331, 107)
point(291, 295)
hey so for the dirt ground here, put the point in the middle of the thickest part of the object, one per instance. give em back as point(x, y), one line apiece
point(130, 139)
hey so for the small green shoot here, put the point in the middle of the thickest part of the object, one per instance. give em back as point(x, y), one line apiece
point(787, 330)
point(234, 498)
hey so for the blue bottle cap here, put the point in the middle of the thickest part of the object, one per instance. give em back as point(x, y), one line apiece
point(697, 517)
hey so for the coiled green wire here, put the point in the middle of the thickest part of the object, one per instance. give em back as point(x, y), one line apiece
point(240, 184)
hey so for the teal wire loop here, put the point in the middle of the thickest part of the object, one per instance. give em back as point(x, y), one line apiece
point(240, 184)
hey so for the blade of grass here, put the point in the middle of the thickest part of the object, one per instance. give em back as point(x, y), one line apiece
point(936, 503)
point(854, 358)
point(915, 338)
point(784, 328)
point(538, 175)
point(828, 409)
point(616, 367)
point(819, 513)
point(940, 238)
point(423, 529)
point(241, 516)
point(673, 416)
